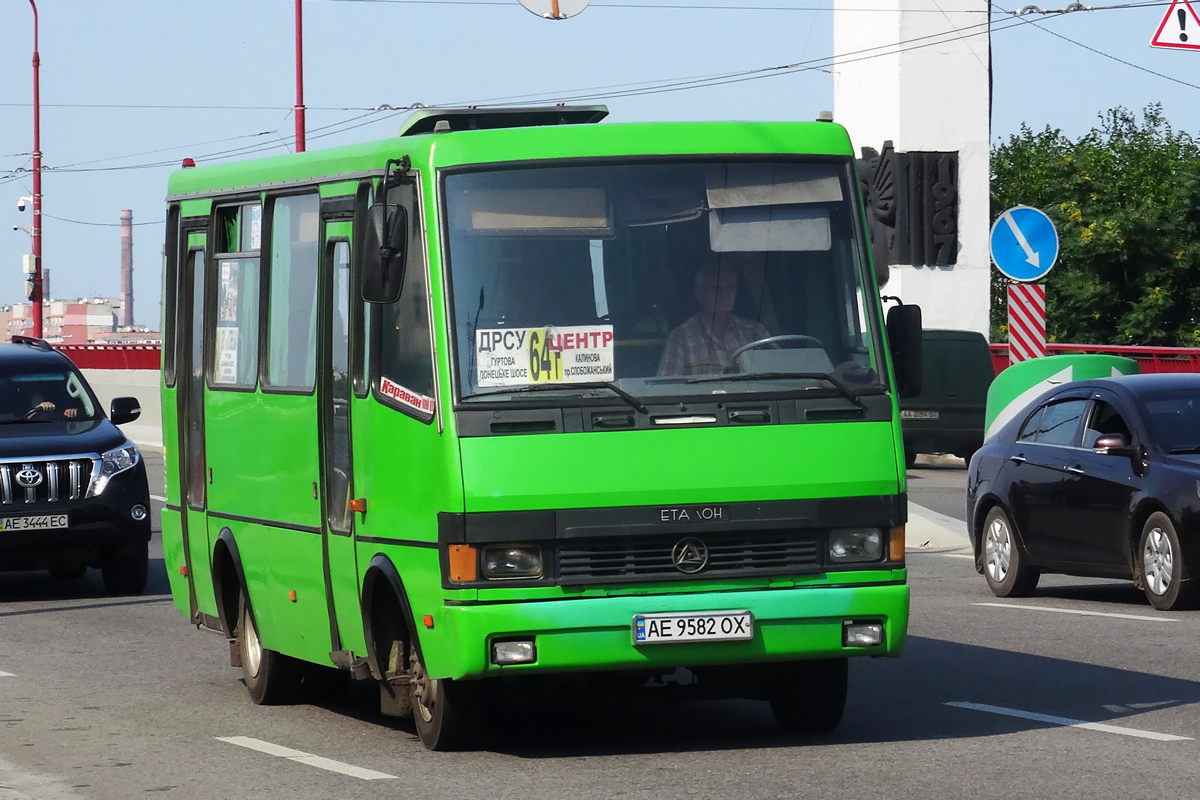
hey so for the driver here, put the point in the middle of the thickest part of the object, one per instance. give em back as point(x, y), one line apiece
point(47, 407)
point(706, 342)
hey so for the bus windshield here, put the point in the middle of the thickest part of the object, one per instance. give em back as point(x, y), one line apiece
point(669, 279)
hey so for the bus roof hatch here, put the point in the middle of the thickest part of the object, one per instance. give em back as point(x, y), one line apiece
point(469, 119)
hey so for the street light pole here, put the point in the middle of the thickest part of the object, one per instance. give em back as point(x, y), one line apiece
point(299, 107)
point(36, 296)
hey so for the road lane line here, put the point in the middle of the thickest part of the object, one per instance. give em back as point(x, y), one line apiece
point(1072, 723)
point(320, 762)
point(959, 555)
point(159, 498)
point(1079, 612)
point(300, 757)
point(7, 675)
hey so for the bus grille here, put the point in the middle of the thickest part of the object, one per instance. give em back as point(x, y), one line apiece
point(54, 480)
point(729, 554)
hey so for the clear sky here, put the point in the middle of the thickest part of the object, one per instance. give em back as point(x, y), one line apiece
point(130, 87)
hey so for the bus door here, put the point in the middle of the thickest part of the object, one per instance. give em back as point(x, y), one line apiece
point(335, 395)
point(190, 448)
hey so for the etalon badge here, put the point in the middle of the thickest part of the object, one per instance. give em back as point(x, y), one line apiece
point(690, 555)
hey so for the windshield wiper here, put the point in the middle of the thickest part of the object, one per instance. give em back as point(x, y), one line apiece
point(1179, 451)
point(534, 387)
point(845, 390)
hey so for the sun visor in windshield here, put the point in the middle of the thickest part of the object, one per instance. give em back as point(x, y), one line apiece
point(746, 185)
point(552, 211)
point(769, 229)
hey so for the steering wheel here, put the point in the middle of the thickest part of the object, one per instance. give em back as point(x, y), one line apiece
point(772, 341)
point(34, 412)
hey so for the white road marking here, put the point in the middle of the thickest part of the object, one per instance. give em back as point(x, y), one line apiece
point(158, 498)
point(1079, 612)
point(1073, 723)
point(7, 675)
point(300, 757)
point(959, 555)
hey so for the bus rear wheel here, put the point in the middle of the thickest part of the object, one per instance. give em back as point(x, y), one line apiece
point(271, 678)
point(447, 713)
point(809, 697)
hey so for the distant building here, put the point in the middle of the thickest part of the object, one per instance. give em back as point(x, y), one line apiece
point(131, 334)
point(65, 321)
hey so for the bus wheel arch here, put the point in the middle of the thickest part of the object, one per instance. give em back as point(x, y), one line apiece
point(228, 580)
point(387, 622)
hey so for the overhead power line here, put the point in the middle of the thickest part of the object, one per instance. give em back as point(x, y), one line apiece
point(99, 224)
point(1109, 56)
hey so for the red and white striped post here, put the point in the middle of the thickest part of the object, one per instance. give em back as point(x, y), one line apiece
point(1026, 321)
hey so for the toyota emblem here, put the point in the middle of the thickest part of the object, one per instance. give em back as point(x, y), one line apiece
point(29, 477)
point(690, 555)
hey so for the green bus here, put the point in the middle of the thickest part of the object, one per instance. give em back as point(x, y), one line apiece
point(514, 394)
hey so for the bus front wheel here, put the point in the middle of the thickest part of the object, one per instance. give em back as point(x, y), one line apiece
point(271, 677)
point(808, 697)
point(447, 713)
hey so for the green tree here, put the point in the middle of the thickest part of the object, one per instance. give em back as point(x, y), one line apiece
point(1125, 198)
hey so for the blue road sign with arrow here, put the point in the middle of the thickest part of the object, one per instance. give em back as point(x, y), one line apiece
point(1024, 244)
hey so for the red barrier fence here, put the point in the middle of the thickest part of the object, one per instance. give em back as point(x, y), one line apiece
point(1151, 359)
point(113, 356)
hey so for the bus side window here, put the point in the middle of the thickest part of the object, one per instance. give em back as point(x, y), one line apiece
point(292, 296)
point(235, 349)
point(170, 293)
point(405, 346)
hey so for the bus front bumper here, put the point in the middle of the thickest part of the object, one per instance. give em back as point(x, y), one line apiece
point(596, 634)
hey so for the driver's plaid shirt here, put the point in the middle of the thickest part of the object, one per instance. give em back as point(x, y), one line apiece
point(694, 349)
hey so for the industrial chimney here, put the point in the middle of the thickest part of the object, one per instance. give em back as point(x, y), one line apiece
point(126, 268)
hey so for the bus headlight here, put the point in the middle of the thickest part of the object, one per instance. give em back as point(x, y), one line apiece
point(114, 462)
point(847, 545)
point(512, 562)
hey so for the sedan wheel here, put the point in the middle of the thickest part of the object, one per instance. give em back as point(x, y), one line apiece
point(1004, 566)
point(997, 549)
point(1168, 584)
point(1158, 562)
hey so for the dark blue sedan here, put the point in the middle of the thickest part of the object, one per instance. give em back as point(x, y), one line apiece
point(1098, 478)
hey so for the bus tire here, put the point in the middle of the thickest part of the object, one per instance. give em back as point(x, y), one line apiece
point(271, 678)
point(809, 697)
point(126, 571)
point(446, 713)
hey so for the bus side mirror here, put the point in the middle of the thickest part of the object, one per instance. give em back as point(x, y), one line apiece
point(385, 251)
point(905, 340)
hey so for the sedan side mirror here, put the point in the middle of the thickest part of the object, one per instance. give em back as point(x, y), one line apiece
point(1114, 444)
point(124, 409)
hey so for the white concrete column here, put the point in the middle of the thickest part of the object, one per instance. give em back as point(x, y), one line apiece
point(925, 88)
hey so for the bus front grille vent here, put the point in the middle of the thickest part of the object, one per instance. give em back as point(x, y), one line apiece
point(646, 559)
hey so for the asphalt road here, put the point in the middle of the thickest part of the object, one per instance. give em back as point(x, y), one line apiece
point(120, 698)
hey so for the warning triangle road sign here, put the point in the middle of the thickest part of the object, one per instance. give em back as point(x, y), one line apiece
point(1180, 28)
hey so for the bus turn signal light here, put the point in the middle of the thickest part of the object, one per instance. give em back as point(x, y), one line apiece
point(896, 544)
point(359, 504)
point(183, 571)
point(463, 563)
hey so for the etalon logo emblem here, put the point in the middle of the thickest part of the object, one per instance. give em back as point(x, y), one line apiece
point(29, 477)
point(690, 555)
